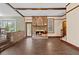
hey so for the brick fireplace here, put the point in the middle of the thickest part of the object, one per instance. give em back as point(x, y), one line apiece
point(39, 25)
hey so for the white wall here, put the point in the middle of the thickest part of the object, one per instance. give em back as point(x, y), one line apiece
point(6, 12)
point(73, 29)
point(28, 19)
point(20, 24)
point(57, 26)
point(73, 26)
point(20, 21)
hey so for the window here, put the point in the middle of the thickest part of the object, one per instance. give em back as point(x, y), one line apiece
point(9, 25)
point(50, 25)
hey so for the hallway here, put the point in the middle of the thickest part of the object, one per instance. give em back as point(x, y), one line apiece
point(50, 46)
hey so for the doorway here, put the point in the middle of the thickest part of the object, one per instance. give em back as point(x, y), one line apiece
point(28, 29)
point(64, 28)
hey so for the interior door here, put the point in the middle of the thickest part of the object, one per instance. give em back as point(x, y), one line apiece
point(29, 29)
point(64, 28)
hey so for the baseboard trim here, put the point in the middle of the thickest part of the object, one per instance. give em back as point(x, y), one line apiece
point(75, 47)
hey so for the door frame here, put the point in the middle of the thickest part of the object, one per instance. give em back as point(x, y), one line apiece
point(26, 28)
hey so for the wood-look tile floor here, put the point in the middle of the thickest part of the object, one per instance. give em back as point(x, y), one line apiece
point(50, 46)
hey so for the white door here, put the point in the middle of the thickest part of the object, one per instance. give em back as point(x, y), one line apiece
point(29, 29)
